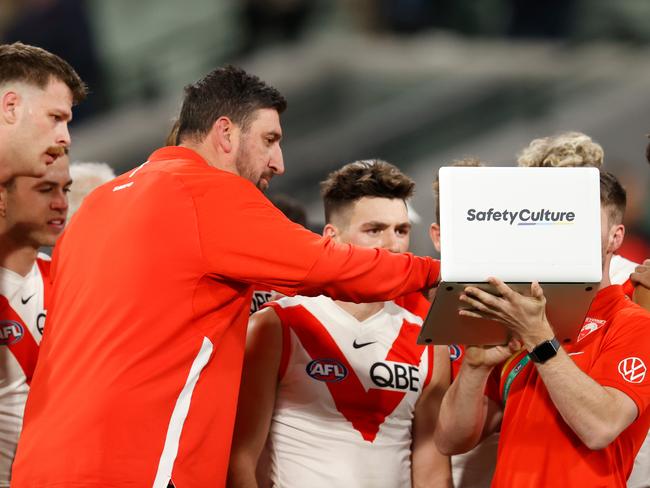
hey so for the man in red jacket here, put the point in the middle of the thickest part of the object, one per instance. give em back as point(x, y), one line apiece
point(138, 375)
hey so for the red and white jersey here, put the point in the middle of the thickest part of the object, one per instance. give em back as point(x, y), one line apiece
point(22, 317)
point(346, 395)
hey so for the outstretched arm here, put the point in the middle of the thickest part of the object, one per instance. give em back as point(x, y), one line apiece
point(256, 397)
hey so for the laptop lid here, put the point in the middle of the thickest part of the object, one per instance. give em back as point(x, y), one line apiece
point(520, 224)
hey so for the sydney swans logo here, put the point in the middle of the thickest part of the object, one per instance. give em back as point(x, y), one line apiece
point(524, 216)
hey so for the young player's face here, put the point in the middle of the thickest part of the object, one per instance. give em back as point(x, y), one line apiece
point(259, 156)
point(39, 127)
point(377, 222)
point(36, 208)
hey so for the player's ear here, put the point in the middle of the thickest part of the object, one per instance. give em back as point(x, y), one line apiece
point(434, 233)
point(616, 236)
point(330, 231)
point(9, 104)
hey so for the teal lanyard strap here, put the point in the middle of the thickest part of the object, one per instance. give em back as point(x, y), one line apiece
point(512, 375)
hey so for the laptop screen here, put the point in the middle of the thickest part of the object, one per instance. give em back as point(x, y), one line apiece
point(520, 224)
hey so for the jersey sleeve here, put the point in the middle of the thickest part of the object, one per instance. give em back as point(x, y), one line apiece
point(625, 356)
point(243, 237)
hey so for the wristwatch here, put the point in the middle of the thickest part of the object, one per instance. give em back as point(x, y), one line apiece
point(545, 351)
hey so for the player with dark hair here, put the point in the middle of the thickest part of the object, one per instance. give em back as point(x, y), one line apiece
point(37, 92)
point(343, 391)
point(137, 380)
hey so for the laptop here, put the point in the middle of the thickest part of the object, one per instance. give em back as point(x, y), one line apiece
point(519, 225)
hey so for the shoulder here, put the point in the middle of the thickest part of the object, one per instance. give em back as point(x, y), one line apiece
point(264, 327)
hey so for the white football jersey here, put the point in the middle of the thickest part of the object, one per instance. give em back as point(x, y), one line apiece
point(22, 318)
point(346, 395)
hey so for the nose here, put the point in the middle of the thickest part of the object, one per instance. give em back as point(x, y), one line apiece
point(60, 201)
point(391, 242)
point(63, 137)
point(277, 161)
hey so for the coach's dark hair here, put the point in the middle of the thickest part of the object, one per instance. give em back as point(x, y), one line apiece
point(36, 66)
point(225, 92)
point(613, 197)
point(369, 178)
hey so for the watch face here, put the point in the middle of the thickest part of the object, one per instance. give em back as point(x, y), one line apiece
point(545, 351)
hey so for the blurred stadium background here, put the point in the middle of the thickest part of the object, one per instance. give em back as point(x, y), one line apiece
point(416, 82)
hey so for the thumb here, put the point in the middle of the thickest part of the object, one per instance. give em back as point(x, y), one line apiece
point(536, 290)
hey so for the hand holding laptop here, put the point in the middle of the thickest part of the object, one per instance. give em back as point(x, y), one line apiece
point(524, 315)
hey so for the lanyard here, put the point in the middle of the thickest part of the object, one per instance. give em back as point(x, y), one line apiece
point(512, 375)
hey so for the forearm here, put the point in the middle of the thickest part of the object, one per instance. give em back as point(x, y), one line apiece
point(597, 416)
point(436, 474)
point(361, 275)
point(463, 411)
point(241, 471)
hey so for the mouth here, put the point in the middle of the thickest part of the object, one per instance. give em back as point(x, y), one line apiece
point(54, 152)
point(56, 224)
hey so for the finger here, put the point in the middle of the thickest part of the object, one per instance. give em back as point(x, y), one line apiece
point(482, 296)
point(515, 345)
point(536, 290)
point(641, 279)
point(472, 303)
point(470, 313)
point(646, 262)
point(504, 290)
point(641, 268)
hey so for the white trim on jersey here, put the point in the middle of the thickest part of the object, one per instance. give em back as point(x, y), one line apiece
point(172, 439)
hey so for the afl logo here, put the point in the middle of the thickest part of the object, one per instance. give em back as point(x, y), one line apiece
point(328, 370)
point(10, 332)
point(455, 352)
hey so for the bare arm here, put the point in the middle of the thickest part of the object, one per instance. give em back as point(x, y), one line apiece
point(596, 414)
point(256, 397)
point(430, 468)
point(467, 415)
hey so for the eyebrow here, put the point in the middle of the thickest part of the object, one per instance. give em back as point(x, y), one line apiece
point(67, 114)
point(52, 183)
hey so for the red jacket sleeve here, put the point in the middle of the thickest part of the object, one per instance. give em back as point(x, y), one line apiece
point(244, 237)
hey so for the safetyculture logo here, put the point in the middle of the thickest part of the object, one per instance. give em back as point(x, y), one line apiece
point(632, 370)
point(524, 216)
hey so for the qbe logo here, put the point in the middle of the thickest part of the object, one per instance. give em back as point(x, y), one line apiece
point(10, 332)
point(328, 370)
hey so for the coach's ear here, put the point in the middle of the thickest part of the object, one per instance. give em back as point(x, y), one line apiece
point(434, 233)
point(224, 135)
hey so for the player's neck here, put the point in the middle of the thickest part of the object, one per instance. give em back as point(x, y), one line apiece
point(605, 281)
point(17, 258)
point(360, 311)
